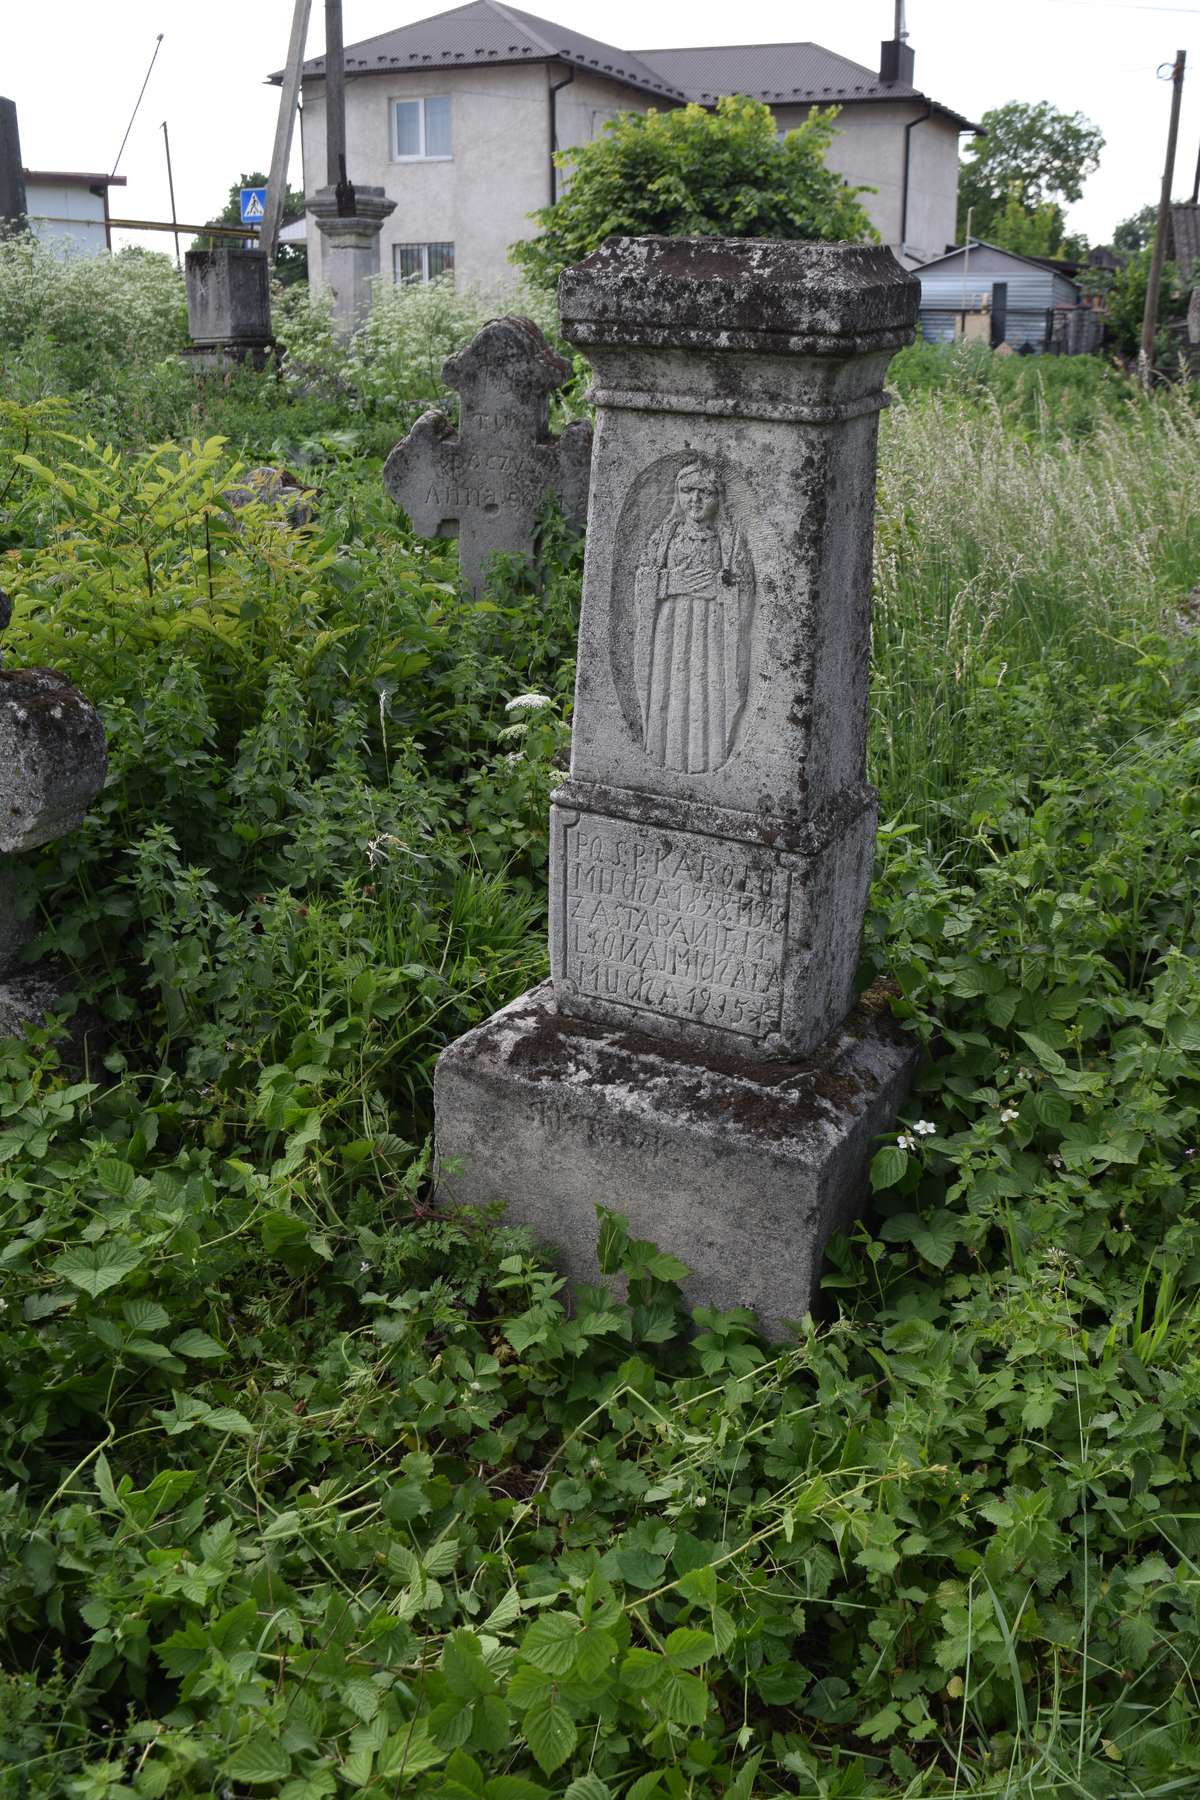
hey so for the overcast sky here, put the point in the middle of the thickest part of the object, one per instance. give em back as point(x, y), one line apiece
point(74, 68)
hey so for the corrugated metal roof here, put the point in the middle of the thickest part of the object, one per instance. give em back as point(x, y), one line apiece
point(484, 31)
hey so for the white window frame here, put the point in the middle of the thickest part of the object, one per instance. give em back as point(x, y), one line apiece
point(420, 101)
point(424, 277)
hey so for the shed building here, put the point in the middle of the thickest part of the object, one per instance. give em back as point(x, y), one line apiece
point(964, 281)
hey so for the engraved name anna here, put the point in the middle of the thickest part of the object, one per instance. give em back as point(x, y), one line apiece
point(695, 599)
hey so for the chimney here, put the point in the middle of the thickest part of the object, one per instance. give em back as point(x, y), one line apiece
point(895, 55)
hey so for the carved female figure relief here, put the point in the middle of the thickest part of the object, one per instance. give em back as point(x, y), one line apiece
point(694, 600)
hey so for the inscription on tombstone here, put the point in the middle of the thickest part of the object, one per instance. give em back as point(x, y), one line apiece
point(698, 1060)
point(486, 482)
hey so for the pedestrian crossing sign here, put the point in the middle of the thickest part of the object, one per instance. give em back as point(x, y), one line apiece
point(254, 205)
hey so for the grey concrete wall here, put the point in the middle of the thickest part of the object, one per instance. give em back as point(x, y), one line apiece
point(869, 149)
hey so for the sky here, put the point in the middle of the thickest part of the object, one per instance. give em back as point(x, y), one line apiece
point(74, 68)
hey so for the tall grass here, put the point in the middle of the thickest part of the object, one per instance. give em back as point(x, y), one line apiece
point(1004, 557)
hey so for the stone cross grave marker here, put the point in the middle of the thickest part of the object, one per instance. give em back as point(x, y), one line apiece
point(485, 483)
point(698, 1061)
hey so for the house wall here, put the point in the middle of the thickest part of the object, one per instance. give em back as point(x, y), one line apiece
point(499, 171)
point(49, 203)
point(869, 150)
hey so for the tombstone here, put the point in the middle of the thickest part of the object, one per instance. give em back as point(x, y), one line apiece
point(486, 482)
point(52, 765)
point(699, 1061)
point(229, 308)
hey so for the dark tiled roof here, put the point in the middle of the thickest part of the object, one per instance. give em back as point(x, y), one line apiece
point(787, 74)
point(486, 32)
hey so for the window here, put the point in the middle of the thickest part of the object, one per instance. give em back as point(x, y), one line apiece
point(421, 130)
point(422, 262)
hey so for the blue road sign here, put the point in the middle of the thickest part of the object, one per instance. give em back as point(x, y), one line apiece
point(254, 205)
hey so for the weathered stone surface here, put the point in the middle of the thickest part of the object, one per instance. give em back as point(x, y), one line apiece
point(269, 486)
point(712, 847)
point(350, 250)
point(743, 1170)
point(699, 1062)
point(228, 297)
point(52, 757)
point(486, 482)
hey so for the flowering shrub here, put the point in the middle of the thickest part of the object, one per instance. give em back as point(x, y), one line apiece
point(80, 316)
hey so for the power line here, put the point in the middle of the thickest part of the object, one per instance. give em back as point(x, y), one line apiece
point(133, 115)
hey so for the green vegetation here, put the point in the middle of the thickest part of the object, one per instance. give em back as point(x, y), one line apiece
point(695, 173)
point(1033, 157)
point(311, 1491)
point(291, 260)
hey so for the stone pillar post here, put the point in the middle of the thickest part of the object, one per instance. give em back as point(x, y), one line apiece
point(699, 1062)
point(52, 766)
point(350, 252)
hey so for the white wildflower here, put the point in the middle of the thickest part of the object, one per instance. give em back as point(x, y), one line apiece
point(906, 1141)
point(508, 732)
point(923, 1128)
point(529, 703)
point(514, 757)
point(363, 1267)
point(1055, 1161)
point(1008, 1115)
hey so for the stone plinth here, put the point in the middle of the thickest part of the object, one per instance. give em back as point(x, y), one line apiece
point(742, 1169)
point(350, 250)
point(485, 483)
point(698, 1063)
point(228, 298)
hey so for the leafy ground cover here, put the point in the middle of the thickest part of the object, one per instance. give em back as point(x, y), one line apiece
point(311, 1491)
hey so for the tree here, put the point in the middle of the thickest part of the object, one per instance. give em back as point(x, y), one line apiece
point(1034, 151)
point(1133, 234)
point(1036, 233)
point(695, 173)
point(1126, 302)
point(291, 261)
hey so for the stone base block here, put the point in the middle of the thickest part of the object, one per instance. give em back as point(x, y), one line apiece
point(741, 1169)
point(225, 359)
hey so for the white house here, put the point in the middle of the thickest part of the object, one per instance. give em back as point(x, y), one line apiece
point(69, 209)
point(457, 118)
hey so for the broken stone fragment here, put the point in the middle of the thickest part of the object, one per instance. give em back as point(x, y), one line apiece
point(53, 758)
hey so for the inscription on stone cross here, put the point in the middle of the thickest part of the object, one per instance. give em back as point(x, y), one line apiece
point(486, 482)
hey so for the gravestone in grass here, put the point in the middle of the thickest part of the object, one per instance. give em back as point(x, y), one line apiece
point(52, 766)
point(699, 1061)
point(486, 483)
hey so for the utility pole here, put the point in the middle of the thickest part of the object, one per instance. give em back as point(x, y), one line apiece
point(335, 108)
point(171, 191)
point(282, 153)
point(1150, 316)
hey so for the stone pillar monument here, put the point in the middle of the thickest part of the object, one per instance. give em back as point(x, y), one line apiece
point(349, 218)
point(698, 1061)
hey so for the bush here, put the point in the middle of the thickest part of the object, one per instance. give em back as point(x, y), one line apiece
point(693, 172)
point(76, 319)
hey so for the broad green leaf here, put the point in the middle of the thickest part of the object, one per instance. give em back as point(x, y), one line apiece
point(409, 1752)
point(550, 1733)
point(888, 1167)
point(687, 1648)
point(116, 1176)
point(226, 1418)
point(586, 1787)
point(259, 1760)
point(505, 1613)
point(198, 1344)
point(515, 1787)
point(363, 1698)
point(145, 1315)
point(683, 1698)
point(551, 1642)
point(881, 1725)
point(96, 1267)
